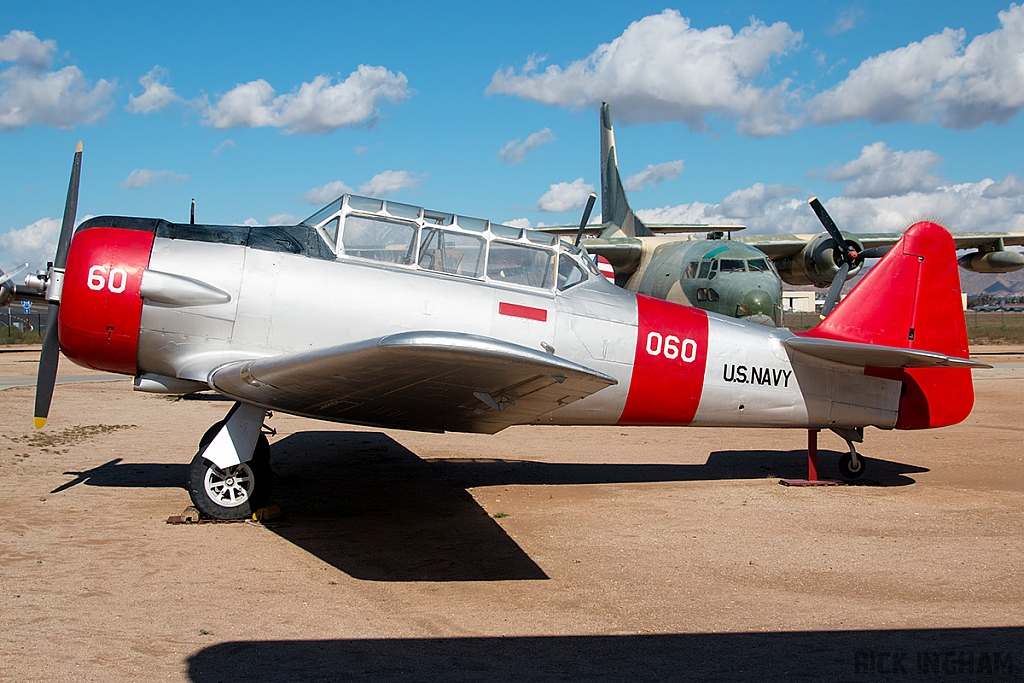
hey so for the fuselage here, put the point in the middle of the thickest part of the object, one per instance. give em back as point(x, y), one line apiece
point(171, 303)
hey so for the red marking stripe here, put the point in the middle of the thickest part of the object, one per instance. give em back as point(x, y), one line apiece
point(528, 312)
point(666, 387)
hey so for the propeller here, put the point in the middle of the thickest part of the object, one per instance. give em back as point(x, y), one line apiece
point(586, 217)
point(847, 251)
point(4, 277)
point(55, 279)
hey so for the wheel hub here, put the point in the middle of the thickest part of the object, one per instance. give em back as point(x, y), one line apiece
point(229, 487)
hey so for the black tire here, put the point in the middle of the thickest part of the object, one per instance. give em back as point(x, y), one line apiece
point(845, 469)
point(210, 433)
point(234, 493)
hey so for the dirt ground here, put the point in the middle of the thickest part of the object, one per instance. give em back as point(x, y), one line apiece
point(538, 554)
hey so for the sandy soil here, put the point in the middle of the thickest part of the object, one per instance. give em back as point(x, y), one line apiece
point(536, 554)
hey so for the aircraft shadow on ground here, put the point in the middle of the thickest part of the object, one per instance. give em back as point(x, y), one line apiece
point(919, 654)
point(367, 505)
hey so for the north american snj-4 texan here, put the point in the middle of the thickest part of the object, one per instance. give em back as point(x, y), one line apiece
point(376, 313)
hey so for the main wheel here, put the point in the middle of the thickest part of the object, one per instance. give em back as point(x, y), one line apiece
point(846, 466)
point(234, 492)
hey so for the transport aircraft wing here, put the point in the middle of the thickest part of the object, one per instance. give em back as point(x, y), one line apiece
point(428, 381)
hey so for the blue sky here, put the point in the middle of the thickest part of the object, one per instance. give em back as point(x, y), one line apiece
point(733, 112)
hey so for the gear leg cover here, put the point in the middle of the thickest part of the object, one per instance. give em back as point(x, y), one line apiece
point(236, 440)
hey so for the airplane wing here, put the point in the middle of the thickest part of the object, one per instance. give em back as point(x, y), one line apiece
point(781, 246)
point(427, 381)
point(869, 355)
point(609, 229)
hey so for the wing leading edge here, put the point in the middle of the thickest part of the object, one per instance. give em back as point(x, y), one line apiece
point(426, 381)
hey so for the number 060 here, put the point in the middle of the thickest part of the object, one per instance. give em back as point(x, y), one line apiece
point(671, 347)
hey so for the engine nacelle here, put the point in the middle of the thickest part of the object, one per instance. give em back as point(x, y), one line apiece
point(992, 261)
point(818, 262)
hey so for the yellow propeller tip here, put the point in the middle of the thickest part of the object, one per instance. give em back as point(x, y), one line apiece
point(79, 147)
point(809, 201)
point(40, 422)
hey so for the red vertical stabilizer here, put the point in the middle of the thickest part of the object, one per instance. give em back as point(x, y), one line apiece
point(911, 299)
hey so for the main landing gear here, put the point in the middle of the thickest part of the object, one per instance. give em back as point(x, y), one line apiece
point(230, 476)
point(851, 464)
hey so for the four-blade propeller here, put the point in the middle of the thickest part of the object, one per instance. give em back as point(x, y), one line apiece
point(55, 278)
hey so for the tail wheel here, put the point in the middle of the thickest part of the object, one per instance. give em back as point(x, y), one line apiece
point(847, 469)
point(234, 492)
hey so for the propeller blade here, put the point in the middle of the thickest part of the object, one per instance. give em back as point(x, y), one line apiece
point(830, 226)
point(876, 252)
point(48, 359)
point(586, 217)
point(70, 211)
point(4, 277)
point(50, 354)
point(834, 290)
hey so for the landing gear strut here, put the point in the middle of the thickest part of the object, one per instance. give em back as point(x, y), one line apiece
point(230, 476)
point(851, 466)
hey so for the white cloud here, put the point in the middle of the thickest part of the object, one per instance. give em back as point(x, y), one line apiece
point(519, 223)
point(881, 172)
point(389, 182)
point(359, 151)
point(23, 47)
point(318, 107)
point(327, 193)
point(141, 177)
point(937, 78)
point(35, 243)
point(662, 69)
point(515, 151)
point(156, 95)
point(62, 99)
point(282, 219)
point(29, 95)
point(985, 205)
point(251, 222)
point(846, 21)
point(653, 175)
point(565, 196)
point(227, 144)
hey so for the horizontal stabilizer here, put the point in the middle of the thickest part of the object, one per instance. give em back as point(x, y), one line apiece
point(869, 355)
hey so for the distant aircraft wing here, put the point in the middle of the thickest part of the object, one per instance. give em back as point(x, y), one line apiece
point(427, 381)
point(781, 246)
point(609, 229)
point(869, 355)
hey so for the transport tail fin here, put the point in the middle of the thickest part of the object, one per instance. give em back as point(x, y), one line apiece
point(911, 299)
point(614, 207)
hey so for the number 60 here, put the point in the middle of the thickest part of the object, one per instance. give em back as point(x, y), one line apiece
point(116, 282)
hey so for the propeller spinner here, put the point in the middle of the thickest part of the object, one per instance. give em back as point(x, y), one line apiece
point(50, 354)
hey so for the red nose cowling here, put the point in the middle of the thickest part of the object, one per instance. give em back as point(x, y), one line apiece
point(100, 308)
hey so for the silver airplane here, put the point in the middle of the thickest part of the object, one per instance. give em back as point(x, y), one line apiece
point(377, 313)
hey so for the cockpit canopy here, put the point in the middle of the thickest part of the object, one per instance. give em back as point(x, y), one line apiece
point(416, 238)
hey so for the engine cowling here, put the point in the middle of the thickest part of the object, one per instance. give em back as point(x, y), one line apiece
point(818, 262)
point(992, 261)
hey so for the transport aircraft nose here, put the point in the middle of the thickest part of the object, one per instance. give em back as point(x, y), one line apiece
point(756, 305)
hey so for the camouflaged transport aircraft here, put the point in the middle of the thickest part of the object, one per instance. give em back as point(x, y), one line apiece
point(708, 267)
point(376, 313)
